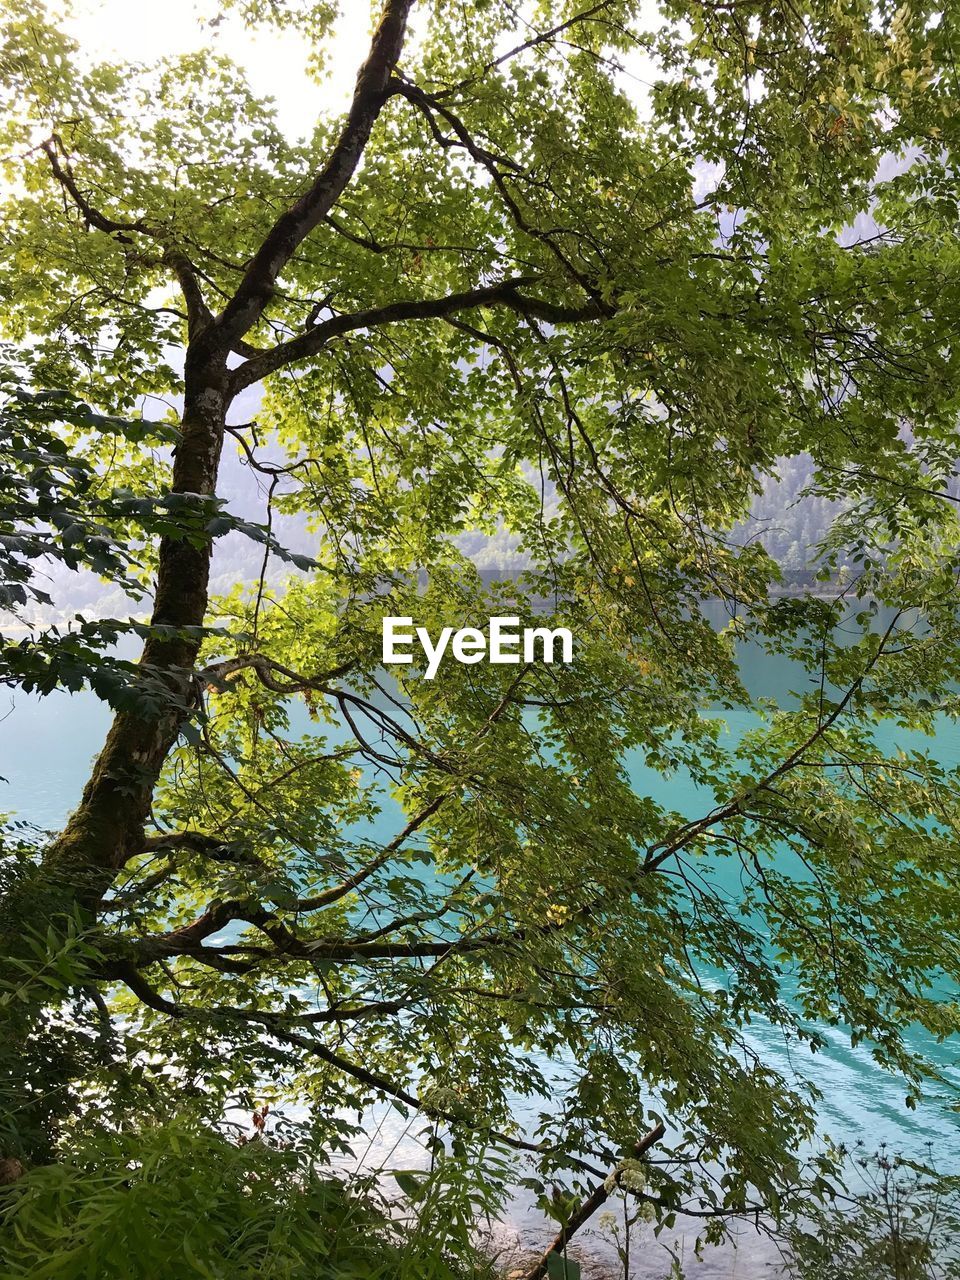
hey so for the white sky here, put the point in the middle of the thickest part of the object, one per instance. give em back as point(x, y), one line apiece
point(145, 30)
point(273, 61)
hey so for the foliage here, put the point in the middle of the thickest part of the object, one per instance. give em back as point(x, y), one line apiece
point(43, 1058)
point(899, 1219)
point(59, 509)
point(168, 1197)
point(501, 293)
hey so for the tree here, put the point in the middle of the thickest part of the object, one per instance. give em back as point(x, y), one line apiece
point(490, 285)
point(895, 1217)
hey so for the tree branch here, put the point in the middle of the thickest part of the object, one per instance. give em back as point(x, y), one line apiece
point(383, 1085)
point(589, 1206)
point(429, 104)
point(295, 224)
point(505, 294)
point(542, 38)
point(338, 891)
point(92, 216)
point(198, 313)
point(154, 1000)
point(659, 854)
point(267, 671)
point(213, 847)
point(189, 941)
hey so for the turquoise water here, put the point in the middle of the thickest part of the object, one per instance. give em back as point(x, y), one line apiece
point(46, 746)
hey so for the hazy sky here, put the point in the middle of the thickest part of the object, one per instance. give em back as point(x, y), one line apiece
point(273, 61)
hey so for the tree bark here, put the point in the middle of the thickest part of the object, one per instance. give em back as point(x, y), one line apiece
point(82, 862)
point(108, 824)
point(80, 865)
point(588, 1207)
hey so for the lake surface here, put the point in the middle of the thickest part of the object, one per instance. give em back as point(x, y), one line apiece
point(46, 746)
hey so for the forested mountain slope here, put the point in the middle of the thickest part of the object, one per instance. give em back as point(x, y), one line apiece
point(788, 523)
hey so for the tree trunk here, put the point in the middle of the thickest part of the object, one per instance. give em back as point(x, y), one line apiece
point(80, 865)
point(107, 827)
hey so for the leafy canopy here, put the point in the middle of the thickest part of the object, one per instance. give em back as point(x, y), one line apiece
point(575, 278)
